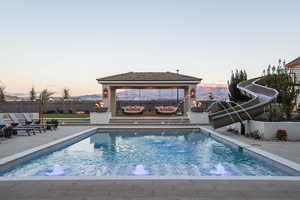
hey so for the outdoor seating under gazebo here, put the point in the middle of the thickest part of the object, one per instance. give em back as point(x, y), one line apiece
point(180, 104)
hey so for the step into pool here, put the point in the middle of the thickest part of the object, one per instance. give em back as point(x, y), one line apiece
point(179, 152)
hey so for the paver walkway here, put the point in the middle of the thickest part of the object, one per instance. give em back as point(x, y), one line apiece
point(152, 189)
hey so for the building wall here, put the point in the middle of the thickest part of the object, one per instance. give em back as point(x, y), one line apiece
point(296, 71)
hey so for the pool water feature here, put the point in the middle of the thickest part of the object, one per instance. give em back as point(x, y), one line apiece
point(179, 152)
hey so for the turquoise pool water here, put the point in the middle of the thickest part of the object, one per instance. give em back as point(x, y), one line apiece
point(147, 153)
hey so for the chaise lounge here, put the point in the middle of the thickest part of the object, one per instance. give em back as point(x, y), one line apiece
point(15, 129)
point(17, 124)
point(29, 121)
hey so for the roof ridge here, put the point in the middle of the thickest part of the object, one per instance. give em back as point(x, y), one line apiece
point(149, 76)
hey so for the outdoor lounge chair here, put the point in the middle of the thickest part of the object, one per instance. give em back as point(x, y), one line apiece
point(30, 121)
point(133, 109)
point(15, 129)
point(166, 109)
point(17, 124)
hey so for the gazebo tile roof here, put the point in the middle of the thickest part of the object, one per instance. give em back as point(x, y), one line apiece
point(149, 76)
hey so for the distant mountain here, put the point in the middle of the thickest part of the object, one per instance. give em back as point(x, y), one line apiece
point(219, 92)
point(90, 97)
point(17, 95)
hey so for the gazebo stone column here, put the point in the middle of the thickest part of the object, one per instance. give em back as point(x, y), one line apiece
point(106, 100)
point(189, 97)
point(186, 100)
point(113, 101)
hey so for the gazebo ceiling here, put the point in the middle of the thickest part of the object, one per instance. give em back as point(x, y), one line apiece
point(149, 87)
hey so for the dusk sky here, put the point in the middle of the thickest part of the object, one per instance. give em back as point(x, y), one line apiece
point(68, 43)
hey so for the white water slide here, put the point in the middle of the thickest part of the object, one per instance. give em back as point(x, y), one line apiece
point(260, 97)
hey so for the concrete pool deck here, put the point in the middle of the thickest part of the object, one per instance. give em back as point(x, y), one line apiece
point(22, 142)
point(289, 150)
point(120, 188)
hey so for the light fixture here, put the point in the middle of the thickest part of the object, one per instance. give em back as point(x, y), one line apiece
point(193, 93)
point(105, 92)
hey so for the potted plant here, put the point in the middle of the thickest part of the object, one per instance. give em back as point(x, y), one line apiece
point(281, 135)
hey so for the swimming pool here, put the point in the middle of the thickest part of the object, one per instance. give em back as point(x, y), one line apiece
point(179, 152)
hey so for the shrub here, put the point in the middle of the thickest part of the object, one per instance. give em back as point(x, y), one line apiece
point(281, 135)
point(71, 111)
point(87, 112)
point(54, 123)
point(8, 131)
point(232, 130)
point(50, 112)
point(282, 79)
point(60, 111)
point(255, 134)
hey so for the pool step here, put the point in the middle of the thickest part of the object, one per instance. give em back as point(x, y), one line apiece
point(73, 121)
point(151, 121)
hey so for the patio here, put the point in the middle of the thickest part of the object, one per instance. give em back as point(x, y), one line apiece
point(139, 188)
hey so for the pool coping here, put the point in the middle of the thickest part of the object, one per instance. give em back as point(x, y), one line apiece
point(27, 153)
point(273, 157)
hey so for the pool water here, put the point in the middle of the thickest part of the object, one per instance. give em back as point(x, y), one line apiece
point(148, 153)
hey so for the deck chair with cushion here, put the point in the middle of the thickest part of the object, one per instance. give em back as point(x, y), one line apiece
point(28, 130)
point(29, 121)
point(166, 109)
point(17, 124)
point(133, 109)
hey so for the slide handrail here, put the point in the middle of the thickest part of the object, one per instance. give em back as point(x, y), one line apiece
point(261, 96)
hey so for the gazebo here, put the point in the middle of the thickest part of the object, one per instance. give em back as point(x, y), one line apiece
point(147, 80)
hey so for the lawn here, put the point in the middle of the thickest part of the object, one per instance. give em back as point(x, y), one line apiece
point(66, 115)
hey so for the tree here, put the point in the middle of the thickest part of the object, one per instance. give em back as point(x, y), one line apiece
point(234, 93)
point(32, 94)
point(2, 93)
point(66, 94)
point(44, 98)
point(282, 79)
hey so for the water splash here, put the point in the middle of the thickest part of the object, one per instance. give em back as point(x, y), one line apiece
point(57, 170)
point(140, 171)
point(219, 170)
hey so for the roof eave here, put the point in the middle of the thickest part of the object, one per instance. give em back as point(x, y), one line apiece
point(147, 82)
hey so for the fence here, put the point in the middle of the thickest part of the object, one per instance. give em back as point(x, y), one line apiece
point(85, 106)
point(51, 106)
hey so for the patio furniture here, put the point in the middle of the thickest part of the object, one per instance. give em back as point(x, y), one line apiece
point(166, 109)
point(15, 129)
point(30, 121)
point(17, 124)
point(133, 109)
